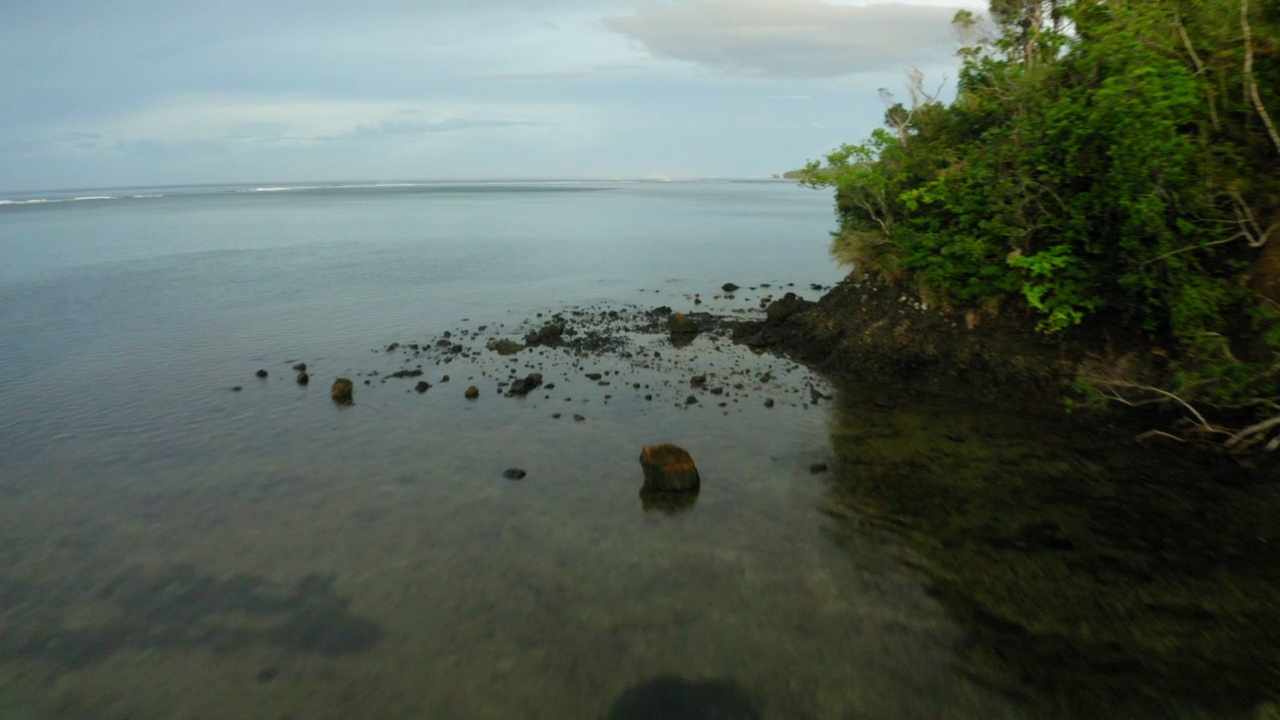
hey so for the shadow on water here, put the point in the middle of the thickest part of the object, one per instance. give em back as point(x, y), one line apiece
point(673, 698)
point(1095, 578)
point(177, 608)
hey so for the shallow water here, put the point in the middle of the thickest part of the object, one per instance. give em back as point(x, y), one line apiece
point(173, 549)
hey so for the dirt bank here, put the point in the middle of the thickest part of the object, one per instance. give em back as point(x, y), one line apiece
point(873, 332)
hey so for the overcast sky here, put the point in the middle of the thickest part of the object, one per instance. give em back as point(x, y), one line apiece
point(148, 92)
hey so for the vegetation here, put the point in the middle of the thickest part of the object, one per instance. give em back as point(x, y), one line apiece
point(1104, 162)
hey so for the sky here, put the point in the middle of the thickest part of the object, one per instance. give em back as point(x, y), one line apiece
point(156, 92)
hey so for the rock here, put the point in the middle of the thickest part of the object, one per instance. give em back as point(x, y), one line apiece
point(549, 334)
point(594, 376)
point(578, 418)
point(472, 393)
point(514, 474)
point(261, 373)
point(236, 389)
point(342, 391)
point(691, 400)
point(779, 310)
point(502, 347)
point(814, 395)
point(668, 468)
point(405, 373)
point(444, 379)
point(303, 378)
point(768, 402)
point(817, 468)
point(526, 384)
point(393, 347)
point(681, 324)
point(728, 287)
point(698, 380)
point(300, 367)
point(422, 386)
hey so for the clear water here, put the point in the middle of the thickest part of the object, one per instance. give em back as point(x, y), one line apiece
point(170, 548)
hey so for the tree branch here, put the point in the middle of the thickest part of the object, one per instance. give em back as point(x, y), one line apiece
point(1248, 75)
point(1195, 58)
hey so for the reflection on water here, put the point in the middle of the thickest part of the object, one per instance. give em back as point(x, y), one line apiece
point(1092, 578)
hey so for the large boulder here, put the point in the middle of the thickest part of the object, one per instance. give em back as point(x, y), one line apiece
point(779, 310)
point(668, 468)
point(342, 390)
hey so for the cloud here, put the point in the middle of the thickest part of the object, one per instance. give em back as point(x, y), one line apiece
point(792, 38)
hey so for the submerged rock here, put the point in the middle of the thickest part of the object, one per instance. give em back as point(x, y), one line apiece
point(342, 391)
point(514, 474)
point(261, 373)
point(674, 698)
point(472, 392)
point(405, 373)
point(303, 378)
point(668, 468)
point(300, 367)
point(422, 386)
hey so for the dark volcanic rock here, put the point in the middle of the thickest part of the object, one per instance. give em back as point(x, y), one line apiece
point(342, 391)
point(422, 386)
point(779, 310)
point(524, 385)
point(549, 334)
point(502, 347)
point(728, 287)
point(261, 373)
point(668, 468)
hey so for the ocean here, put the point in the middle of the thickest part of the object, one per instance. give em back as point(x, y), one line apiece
point(180, 538)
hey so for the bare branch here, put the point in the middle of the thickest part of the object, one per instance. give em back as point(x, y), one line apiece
point(1261, 427)
point(1248, 75)
point(1195, 58)
point(1189, 248)
point(1111, 384)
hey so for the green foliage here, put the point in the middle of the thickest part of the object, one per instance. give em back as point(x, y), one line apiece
point(1101, 159)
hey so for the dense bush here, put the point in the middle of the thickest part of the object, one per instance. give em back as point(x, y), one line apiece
point(1103, 161)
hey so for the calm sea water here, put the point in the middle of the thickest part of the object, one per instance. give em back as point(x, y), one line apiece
point(171, 548)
